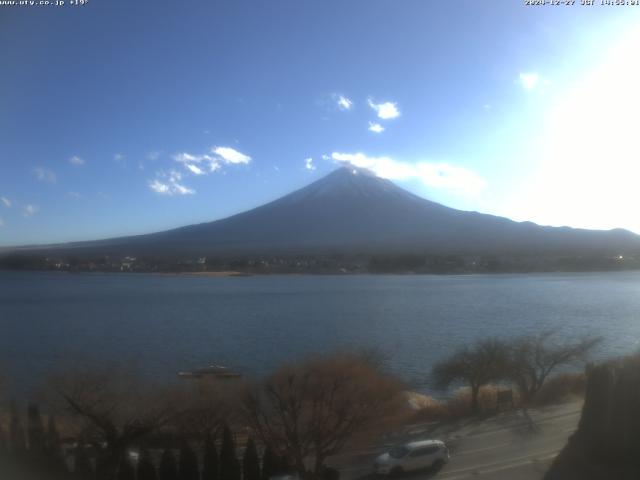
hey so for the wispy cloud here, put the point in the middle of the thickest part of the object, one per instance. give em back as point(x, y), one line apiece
point(437, 175)
point(189, 158)
point(344, 103)
point(196, 164)
point(6, 202)
point(77, 161)
point(75, 195)
point(118, 157)
point(230, 155)
point(375, 127)
point(44, 175)
point(153, 155)
point(159, 187)
point(169, 184)
point(181, 189)
point(194, 169)
point(386, 110)
point(29, 210)
point(336, 101)
point(308, 164)
point(217, 157)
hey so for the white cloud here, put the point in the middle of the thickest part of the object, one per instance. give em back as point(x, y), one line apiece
point(189, 160)
point(170, 184)
point(45, 175)
point(375, 127)
point(308, 164)
point(194, 169)
point(6, 202)
point(344, 103)
point(77, 161)
point(437, 175)
point(230, 155)
point(75, 195)
point(30, 210)
point(182, 190)
point(325, 156)
point(175, 177)
point(118, 157)
point(386, 110)
point(219, 156)
point(153, 155)
point(159, 187)
point(187, 157)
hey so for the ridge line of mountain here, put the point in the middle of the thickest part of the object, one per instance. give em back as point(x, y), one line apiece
point(351, 212)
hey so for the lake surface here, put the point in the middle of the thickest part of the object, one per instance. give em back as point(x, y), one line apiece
point(163, 324)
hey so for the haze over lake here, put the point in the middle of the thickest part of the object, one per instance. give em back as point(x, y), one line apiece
point(164, 323)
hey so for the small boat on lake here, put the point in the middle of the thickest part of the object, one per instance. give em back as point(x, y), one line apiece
point(212, 371)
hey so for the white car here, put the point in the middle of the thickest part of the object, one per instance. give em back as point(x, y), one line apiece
point(412, 456)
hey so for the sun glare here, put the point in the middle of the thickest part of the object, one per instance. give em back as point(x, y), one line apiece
point(590, 164)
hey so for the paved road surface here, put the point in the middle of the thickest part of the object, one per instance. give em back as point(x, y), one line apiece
point(502, 447)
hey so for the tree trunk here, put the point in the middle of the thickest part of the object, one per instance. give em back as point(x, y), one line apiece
point(319, 464)
point(475, 407)
point(300, 468)
point(109, 460)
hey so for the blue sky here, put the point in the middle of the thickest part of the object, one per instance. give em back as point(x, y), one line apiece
point(121, 117)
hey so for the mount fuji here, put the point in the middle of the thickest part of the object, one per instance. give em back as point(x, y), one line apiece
point(351, 210)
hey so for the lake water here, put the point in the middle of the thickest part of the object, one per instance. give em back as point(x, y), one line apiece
point(164, 324)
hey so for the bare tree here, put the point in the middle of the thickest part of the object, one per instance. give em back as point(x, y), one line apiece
point(309, 411)
point(117, 409)
point(203, 408)
point(475, 366)
point(4, 384)
point(533, 358)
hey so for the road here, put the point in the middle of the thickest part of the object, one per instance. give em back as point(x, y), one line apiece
point(501, 447)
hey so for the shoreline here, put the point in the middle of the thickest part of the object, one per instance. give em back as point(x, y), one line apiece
point(236, 273)
point(225, 273)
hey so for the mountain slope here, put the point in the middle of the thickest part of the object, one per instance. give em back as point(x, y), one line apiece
point(353, 211)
